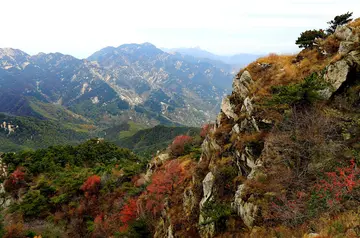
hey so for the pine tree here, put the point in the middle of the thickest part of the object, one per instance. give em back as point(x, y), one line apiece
point(308, 38)
point(338, 21)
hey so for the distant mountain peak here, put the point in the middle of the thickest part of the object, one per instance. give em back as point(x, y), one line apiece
point(148, 44)
point(11, 52)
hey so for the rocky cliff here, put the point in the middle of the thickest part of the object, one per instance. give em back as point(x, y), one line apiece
point(289, 123)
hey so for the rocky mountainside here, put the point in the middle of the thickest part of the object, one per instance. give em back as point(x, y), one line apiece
point(281, 160)
point(133, 81)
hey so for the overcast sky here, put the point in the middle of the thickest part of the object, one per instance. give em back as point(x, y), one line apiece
point(81, 27)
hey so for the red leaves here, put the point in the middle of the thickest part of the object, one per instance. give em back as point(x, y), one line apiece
point(99, 219)
point(128, 213)
point(178, 145)
point(182, 139)
point(16, 180)
point(340, 183)
point(18, 174)
point(91, 185)
point(163, 183)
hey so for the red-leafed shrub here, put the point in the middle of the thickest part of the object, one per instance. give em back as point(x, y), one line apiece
point(128, 214)
point(205, 130)
point(91, 185)
point(16, 180)
point(328, 194)
point(178, 145)
point(339, 184)
point(18, 174)
point(163, 183)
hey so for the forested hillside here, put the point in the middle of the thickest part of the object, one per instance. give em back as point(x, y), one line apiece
point(281, 160)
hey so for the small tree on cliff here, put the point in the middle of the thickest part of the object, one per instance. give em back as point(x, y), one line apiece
point(308, 38)
point(338, 21)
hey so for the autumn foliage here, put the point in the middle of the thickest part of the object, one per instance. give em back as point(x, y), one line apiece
point(164, 182)
point(91, 185)
point(178, 145)
point(327, 194)
point(16, 180)
point(339, 184)
point(128, 213)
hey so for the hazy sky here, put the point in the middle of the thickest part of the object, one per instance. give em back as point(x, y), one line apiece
point(81, 27)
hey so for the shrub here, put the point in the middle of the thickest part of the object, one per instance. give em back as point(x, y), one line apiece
point(128, 213)
point(178, 145)
point(91, 185)
point(224, 177)
point(339, 184)
point(163, 183)
point(15, 181)
point(14, 231)
point(34, 204)
point(308, 38)
point(300, 94)
point(331, 45)
point(288, 211)
point(218, 213)
point(139, 228)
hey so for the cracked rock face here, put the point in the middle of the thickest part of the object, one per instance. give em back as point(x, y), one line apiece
point(228, 109)
point(246, 210)
point(241, 85)
point(208, 183)
point(336, 73)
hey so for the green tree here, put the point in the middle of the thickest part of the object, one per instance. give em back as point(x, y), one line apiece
point(303, 93)
point(308, 38)
point(338, 21)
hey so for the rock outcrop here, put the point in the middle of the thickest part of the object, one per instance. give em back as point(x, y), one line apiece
point(337, 72)
point(243, 145)
point(249, 162)
point(8, 127)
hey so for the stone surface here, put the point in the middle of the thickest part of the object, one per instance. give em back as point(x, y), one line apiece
point(241, 84)
point(343, 33)
point(207, 231)
point(346, 47)
point(228, 109)
point(247, 106)
point(246, 210)
point(336, 74)
point(236, 129)
point(208, 184)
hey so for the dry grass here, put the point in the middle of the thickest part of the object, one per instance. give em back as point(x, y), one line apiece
point(275, 70)
point(355, 23)
point(343, 225)
point(330, 45)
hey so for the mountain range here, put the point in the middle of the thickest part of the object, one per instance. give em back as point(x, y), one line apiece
point(134, 81)
point(235, 61)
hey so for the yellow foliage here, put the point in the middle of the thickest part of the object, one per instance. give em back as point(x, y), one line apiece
point(355, 23)
point(186, 163)
point(275, 70)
